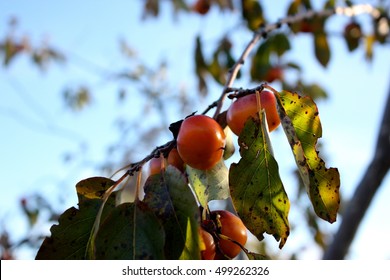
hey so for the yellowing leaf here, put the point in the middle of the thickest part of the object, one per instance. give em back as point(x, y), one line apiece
point(70, 237)
point(256, 188)
point(321, 48)
point(93, 188)
point(301, 123)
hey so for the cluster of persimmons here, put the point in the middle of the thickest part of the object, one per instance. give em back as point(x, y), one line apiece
point(200, 144)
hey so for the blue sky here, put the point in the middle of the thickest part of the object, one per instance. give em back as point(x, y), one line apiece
point(37, 129)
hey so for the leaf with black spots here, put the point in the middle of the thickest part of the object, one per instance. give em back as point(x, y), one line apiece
point(172, 200)
point(301, 123)
point(256, 188)
point(69, 239)
point(131, 231)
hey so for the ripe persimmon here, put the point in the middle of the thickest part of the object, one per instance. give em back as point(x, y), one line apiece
point(232, 227)
point(155, 165)
point(246, 106)
point(208, 252)
point(200, 142)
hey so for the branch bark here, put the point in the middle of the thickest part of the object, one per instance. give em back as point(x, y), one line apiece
point(364, 193)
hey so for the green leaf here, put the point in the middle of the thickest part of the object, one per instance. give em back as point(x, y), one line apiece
point(131, 231)
point(209, 184)
point(256, 188)
point(315, 91)
point(172, 201)
point(252, 12)
point(261, 62)
point(321, 48)
point(301, 123)
point(280, 43)
point(222, 61)
point(275, 46)
point(70, 237)
point(200, 66)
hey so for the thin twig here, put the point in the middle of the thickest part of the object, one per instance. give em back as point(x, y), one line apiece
point(163, 149)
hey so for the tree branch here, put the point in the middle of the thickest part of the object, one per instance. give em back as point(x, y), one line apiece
point(364, 192)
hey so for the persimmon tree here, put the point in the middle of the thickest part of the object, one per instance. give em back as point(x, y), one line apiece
point(168, 215)
point(165, 221)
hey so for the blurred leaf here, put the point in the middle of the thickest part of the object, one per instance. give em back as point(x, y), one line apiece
point(294, 7)
point(126, 49)
point(31, 214)
point(225, 4)
point(261, 62)
point(280, 43)
point(151, 8)
point(252, 13)
point(314, 90)
point(201, 68)
point(172, 201)
point(44, 55)
point(301, 123)
point(370, 41)
point(180, 5)
point(209, 184)
point(222, 61)
point(330, 4)
point(276, 45)
point(10, 49)
point(352, 35)
point(131, 231)
point(306, 4)
point(295, 66)
point(297, 7)
point(70, 237)
point(321, 47)
point(77, 99)
point(256, 188)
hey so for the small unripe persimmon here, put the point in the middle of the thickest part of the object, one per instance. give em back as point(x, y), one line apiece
point(246, 106)
point(155, 165)
point(175, 160)
point(200, 142)
point(274, 73)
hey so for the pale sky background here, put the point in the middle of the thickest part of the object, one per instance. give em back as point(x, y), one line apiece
point(37, 128)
